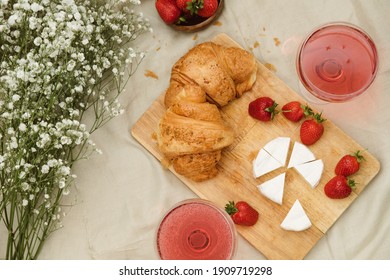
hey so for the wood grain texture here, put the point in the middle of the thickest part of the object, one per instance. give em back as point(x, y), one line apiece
point(235, 180)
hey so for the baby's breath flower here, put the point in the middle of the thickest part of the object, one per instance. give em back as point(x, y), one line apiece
point(37, 41)
point(45, 169)
point(25, 186)
point(60, 58)
point(13, 19)
point(22, 127)
point(36, 7)
point(71, 65)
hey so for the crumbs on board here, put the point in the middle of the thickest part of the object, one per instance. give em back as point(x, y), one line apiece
point(151, 74)
point(270, 67)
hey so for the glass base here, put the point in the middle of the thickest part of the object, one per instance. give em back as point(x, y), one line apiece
point(309, 97)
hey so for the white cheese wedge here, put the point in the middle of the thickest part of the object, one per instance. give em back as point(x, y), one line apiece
point(278, 148)
point(273, 189)
point(311, 171)
point(264, 163)
point(296, 219)
point(300, 154)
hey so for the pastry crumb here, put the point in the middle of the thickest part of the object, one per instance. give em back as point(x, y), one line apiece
point(217, 23)
point(252, 155)
point(151, 74)
point(277, 41)
point(165, 163)
point(256, 44)
point(195, 37)
point(270, 67)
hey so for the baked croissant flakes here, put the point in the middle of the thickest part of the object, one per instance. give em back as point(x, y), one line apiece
point(192, 132)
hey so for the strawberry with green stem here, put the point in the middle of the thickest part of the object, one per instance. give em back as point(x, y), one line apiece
point(263, 109)
point(242, 213)
point(339, 187)
point(202, 8)
point(312, 129)
point(349, 164)
point(295, 111)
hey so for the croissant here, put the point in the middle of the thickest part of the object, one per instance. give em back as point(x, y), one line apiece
point(192, 132)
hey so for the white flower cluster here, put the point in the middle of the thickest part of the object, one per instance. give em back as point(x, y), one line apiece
point(58, 59)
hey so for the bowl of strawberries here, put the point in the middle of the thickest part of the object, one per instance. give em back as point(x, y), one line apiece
point(189, 15)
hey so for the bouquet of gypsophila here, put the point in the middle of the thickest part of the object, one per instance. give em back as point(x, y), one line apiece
point(58, 59)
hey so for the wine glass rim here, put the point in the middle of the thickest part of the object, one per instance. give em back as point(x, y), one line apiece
point(326, 95)
point(202, 201)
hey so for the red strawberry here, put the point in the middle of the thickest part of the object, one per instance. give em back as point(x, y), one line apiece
point(209, 8)
point(349, 164)
point(168, 11)
point(203, 8)
point(183, 4)
point(294, 111)
point(312, 130)
point(242, 213)
point(263, 109)
point(339, 187)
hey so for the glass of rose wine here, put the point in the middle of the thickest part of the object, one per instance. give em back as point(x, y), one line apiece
point(196, 229)
point(336, 62)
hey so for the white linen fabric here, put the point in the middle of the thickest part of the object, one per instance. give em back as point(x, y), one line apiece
point(120, 196)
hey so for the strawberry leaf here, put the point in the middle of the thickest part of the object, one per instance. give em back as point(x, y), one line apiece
point(195, 5)
point(358, 156)
point(351, 184)
point(307, 110)
point(231, 208)
point(272, 110)
point(319, 118)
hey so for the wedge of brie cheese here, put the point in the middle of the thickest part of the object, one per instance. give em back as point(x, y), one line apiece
point(300, 154)
point(278, 148)
point(311, 171)
point(264, 163)
point(273, 189)
point(272, 156)
point(296, 219)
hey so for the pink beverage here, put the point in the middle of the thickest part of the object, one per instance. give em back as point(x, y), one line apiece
point(337, 62)
point(196, 229)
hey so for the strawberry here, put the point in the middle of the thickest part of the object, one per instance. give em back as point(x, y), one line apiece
point(183, 4)
point(209, 8)
point(339, 187)
point(349, 164)
point(295, 111)
point(242, 213)
point(203, 8)
point(263, 109)
point(168, 11)
point(312, 130)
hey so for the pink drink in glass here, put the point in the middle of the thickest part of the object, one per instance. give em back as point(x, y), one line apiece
point(196, 229)
point(337, 62)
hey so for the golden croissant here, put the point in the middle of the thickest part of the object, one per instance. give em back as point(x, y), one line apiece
point(192, 132)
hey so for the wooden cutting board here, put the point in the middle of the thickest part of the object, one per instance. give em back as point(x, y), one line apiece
point(235, 180)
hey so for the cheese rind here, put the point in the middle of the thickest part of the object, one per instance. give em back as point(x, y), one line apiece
point(273, 189)
point(311, 171)
point(300, 154)
point(296, 219)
